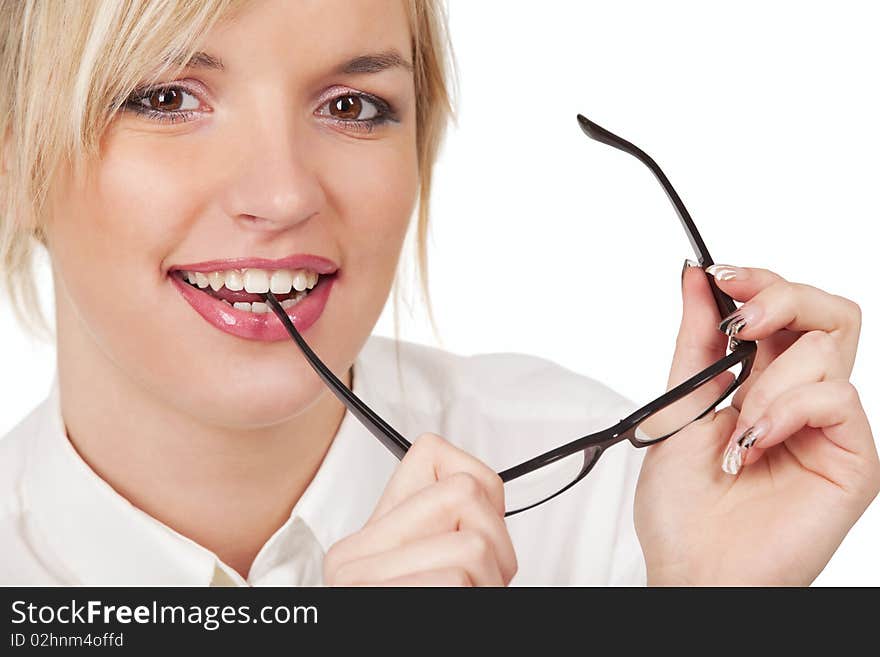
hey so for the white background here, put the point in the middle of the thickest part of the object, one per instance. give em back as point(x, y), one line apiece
point(763, 114)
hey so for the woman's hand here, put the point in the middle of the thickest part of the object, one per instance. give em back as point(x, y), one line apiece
point(805, 466)
point(440, 522)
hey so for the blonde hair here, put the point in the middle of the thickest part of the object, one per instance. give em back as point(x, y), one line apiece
point(66, 67)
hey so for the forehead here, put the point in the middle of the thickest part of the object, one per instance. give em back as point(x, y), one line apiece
point(309, 34)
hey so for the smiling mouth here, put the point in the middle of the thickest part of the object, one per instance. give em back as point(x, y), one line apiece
point(243, 289)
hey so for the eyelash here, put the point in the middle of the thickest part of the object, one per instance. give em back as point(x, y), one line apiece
point(385, 113)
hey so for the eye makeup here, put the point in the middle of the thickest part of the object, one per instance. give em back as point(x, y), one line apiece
point(138, 102)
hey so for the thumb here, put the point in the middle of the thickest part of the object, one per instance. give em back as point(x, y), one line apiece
point(698, 345)
point(699, 342)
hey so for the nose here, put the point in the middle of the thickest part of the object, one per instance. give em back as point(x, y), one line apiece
point(273, 186)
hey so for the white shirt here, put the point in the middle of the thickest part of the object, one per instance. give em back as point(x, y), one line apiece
point(62, 524)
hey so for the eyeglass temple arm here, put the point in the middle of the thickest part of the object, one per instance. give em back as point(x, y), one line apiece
point(598, 133)
point(385, 433)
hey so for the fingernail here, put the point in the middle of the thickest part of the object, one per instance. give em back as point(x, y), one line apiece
point(727, 272)
point(736, 451)
point(688, 263)
point(737, 320)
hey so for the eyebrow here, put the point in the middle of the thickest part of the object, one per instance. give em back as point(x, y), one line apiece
point(204, 60)
point(370, 63)
point(374, 63)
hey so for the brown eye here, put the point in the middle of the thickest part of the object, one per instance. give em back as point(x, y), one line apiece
point(350, 108)
point(346, 107)
point(169, 104)
point(165, 99)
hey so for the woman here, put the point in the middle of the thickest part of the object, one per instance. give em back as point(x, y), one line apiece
point(185, 441)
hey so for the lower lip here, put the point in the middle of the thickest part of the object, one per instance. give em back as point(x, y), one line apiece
point(266, 326)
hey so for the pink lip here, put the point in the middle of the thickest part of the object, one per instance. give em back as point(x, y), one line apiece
point(255, 326)
point(299, 261)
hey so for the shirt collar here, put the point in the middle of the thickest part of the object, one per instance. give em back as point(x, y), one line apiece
point(90, 530)
point(93, 535)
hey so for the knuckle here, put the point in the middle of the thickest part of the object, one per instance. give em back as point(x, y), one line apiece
point(849, 394)
point(780, 292)
point(496, 485)
point(686, 343)
point(855, 312)
point(514, 568)
point(477, 548)
point(459, 577)
point(429, 443)
point(464, 488)
point(781, 287)
point(777, 278)
point(822, 342)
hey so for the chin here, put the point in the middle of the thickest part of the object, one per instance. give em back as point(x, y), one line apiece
point(255, 401)
point(257, 412)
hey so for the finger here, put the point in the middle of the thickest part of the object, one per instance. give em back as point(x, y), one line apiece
point(467, 551)
point(811, 359)
point(456, 503)
point(834, 408)
point(430, 459)
point(440, 577)
point(742, 283)
point(769, 349)
point(772, 304)
point(699, 343)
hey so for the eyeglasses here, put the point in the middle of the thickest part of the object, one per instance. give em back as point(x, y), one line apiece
point(547, 475)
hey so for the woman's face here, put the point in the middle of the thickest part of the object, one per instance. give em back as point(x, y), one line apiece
point(277, 168)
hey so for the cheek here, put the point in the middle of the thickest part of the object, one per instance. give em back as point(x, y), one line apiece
point(109, 235)
point(128, 213)
point(147, 199)
point(378, 195)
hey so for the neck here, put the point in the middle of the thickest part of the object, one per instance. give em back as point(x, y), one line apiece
point(228, 490)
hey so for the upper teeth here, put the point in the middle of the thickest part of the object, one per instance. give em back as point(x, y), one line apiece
point(255, 281)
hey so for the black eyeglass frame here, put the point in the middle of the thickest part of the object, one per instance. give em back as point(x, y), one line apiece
point(742, 351)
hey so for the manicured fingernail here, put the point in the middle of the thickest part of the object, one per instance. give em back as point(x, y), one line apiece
point(688, 263)
point(736, 321)
point(736, 451)
point(727, 272)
